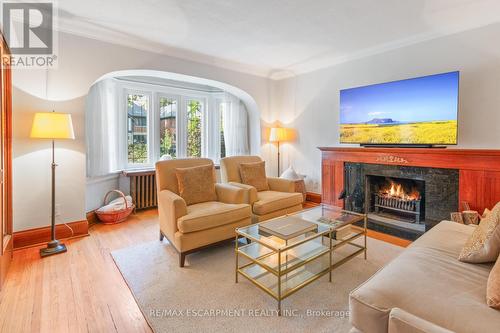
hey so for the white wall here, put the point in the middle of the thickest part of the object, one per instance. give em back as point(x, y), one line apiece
point(310, 102)
point(81, 62)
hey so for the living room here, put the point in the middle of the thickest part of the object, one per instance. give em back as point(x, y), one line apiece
point(230, 165)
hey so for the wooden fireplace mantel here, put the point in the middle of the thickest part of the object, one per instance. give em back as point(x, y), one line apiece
point(479, 169)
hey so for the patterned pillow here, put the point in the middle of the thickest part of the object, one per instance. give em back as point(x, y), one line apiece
point(254, 174)
point(196, 184)
point(484, 243)
point(493, 287)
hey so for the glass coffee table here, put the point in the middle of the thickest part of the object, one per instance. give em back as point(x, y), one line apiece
point(281, 267)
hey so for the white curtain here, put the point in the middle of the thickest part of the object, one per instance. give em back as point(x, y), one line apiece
point(104, 128)
point(235, 125)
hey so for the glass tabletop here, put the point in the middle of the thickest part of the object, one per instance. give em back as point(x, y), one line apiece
point(334, 216)
point(256, 233)
point(327, 219)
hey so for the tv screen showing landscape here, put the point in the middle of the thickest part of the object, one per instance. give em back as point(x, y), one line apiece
point(415, 111)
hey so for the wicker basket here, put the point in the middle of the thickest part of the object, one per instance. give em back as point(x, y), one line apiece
point(115, 216)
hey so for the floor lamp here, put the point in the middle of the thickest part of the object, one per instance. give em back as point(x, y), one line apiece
point(54, 126)
point(280, 134)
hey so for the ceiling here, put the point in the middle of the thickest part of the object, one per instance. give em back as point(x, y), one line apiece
point(272, 38)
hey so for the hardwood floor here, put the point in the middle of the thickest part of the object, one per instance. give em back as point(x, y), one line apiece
point(81, 290)
point(389, 238)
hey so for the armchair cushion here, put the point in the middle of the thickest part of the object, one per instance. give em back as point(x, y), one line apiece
point(230, 194)
point(270, 201)
point(212, 214)
point(281, 185)
point(230, 167)
point(254, 174)
point(196, 184)
point(166, 179)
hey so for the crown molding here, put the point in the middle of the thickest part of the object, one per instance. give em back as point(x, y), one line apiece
point(321, 61)
point(325, 61)
point(94, 32)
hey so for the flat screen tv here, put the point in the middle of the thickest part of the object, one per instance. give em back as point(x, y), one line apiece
point(419, 111)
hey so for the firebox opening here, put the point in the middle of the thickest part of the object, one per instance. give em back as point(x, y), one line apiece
point(396, 198)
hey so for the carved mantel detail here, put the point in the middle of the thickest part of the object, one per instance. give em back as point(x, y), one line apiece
point(392, 159)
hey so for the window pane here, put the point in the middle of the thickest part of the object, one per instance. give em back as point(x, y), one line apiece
point(222, 107)
point(137, 114)
point(194, 110)
point(168, 125)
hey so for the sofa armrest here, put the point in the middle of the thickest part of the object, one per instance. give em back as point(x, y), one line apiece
point(281, 185)
point(171, 207)
point(250, 192)
point(231, 194)
point(401, 321)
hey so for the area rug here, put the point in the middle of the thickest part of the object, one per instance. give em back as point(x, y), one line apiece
point(203, 296)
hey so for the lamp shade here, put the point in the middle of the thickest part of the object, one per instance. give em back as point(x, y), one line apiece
point(51, 125)
point(280, 134)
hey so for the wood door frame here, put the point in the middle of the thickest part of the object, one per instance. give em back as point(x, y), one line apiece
point(6, 241)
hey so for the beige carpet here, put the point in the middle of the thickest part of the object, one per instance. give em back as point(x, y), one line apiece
point(202, 297)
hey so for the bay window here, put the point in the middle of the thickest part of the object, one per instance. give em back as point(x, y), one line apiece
point(166, 122)
point(134, 124)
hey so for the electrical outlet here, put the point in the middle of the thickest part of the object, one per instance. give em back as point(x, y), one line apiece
point(58, 210)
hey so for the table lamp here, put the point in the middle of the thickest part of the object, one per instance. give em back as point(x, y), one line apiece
point(54, 126)
point(280, 134)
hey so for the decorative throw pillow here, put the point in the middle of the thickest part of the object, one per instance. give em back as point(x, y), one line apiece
point(493, 287)
point(291, 174)
point(254, 174)
point(196, 184)
point(484, 243)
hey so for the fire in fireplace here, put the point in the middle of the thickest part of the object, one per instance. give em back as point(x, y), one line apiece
point(396, 196)
point(396, 191)
point(397, 199)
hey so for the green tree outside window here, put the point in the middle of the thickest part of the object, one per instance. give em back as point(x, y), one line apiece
point(194, 129)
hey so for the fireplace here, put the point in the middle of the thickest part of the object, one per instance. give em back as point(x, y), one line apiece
point(399, 200)
point(450, 176)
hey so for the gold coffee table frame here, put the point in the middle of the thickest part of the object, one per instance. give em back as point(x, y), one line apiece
point(280, 268)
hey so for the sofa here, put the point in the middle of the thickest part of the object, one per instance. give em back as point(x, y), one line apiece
point(279, 200)
point(190, 228)
point(427, 289)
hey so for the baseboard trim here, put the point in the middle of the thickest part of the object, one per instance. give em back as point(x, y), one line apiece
point(313, 197)
point(38, 236)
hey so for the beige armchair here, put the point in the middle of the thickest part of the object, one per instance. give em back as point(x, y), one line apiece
point(190, 228)
point(280, 199)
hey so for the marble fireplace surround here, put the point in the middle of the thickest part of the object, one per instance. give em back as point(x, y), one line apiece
point(440, 190)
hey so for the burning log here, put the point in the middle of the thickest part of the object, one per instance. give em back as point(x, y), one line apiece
point(395, 198)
